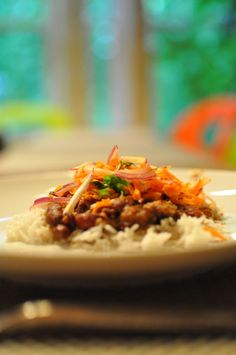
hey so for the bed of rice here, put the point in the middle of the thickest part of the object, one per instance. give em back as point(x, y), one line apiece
point(187, 232)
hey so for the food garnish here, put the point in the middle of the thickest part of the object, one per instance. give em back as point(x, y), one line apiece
point(77, 195)
point(123, 192)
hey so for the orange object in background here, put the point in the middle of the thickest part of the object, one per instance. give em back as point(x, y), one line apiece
point(208, 125)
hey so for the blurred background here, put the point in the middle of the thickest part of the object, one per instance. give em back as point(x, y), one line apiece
point(157, 77)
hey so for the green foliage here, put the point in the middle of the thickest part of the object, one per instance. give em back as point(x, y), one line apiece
point(193, 53)
point(22, 49)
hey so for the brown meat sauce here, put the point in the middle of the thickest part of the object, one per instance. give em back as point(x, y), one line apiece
point(122, 212)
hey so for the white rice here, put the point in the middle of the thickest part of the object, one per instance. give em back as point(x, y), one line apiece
point(30, 228)
point(186, 233)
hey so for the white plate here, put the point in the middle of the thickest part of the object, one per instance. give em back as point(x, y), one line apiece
point(42, 264)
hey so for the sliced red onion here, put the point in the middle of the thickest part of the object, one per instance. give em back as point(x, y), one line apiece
point(135, 160)
point(113, 156)
point(97, 172)
point(61, 199)
point(47, 199)
point(81, 166)
point(144, 173)
point(65, 188)
point(42, 200)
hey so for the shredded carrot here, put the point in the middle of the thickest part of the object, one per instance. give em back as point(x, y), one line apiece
point(79, 175)
point(214, 232)
point(113, 158)
point(100, 164)
point(136, 194)
point(100, 204)
point(152, 195)
point(197, 186)
point(156, 185)
point(163, 182)
point(166, 174)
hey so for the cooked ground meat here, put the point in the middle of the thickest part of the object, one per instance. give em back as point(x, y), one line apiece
point(85, 220)
point(61, 232)
point(195, 211)
point(148, 213)
point(122, 212)
point(136, 215)
point(54, 214)
point(69, 221)
point(120, 202)
point(85, 203)
point(55, 218)
point(211, 213)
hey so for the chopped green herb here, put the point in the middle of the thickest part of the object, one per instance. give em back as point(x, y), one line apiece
point(98, 184)
point(115, 183)
point(104, 192)
point(110, 182)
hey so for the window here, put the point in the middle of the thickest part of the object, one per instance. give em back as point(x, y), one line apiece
point(22, 49)
point(84, 55)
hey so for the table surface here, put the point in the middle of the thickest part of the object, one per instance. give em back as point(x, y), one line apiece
point(117, 346)
point(214, 290)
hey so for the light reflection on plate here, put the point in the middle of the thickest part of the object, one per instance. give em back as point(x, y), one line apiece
point(224, 193)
